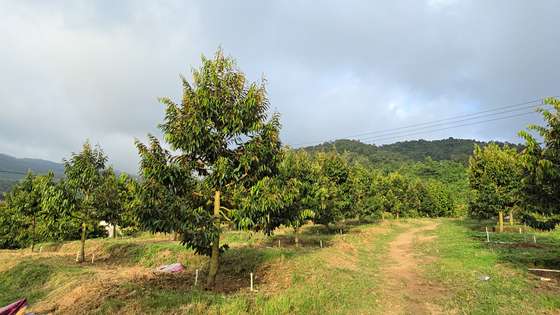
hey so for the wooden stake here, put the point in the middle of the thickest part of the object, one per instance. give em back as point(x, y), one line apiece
point(92, 258)
point(251, 282)
point(278, 243)
point(40, 249)
point(196, 278)
point(321, 244)
point(519, 230)
point(487, 235)
point(535, 239)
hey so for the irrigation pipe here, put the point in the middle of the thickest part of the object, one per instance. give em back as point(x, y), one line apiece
point(549, 270)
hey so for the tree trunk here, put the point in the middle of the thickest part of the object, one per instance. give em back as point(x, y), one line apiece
point(296, 230)
point(501, 214)
point(397, 216)
point(82, 250)
point(33, 235)
point(511, 216)
point(383, 215)
point(171, 235)
point(114, 231)
point(214, 260)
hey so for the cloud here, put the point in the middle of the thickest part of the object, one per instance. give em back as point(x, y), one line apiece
point(72, 70)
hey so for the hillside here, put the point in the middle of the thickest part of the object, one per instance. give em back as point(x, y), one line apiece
point(12, 169)
point(444, 160)
point(456, 150)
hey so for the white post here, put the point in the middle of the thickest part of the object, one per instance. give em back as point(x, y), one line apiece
point(278, 243)
point(519, 230)
point(321, 244)
point(535, 239)
point(251, 282)
point(340, 232)
point(78, 256)
point(92, 258)
point(196, 278)
point(487, 236)
point(40, 249)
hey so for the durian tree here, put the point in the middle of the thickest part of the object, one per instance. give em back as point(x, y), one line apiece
point(221, 137)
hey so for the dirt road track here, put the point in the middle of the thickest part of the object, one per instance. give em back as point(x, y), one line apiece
point(406, 290)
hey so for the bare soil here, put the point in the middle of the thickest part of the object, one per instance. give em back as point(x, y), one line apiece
point(406, 288)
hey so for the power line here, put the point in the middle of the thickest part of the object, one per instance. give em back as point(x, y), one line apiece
point(474, 123)
point(13, 172)
point(457, 121)
point(441, 120)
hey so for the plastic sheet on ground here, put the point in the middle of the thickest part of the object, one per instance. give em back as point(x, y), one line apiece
point(16, 308)
point(171, 268)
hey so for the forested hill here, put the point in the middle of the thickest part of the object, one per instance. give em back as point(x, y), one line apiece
point(13, 169)
point(457, 150)
point(16, 165)
point(444, 160)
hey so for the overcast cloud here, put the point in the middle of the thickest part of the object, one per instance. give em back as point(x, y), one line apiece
point(73, 70)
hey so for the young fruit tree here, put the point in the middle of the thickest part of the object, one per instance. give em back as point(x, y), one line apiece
point(26, 201)
point(85, 174)
point(288, 198)
point(221, 137)
point(541, 182)
point(494, 177)
point(113, 200)
point(334, 174)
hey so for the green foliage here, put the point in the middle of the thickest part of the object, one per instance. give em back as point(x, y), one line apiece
point(334, 174)
point(359, 193)
point(293, 195)
point(443, 160)
point(25, 210)
point(495, 177)
point(223, 139)
point(170, 200)
point(78, 197)
point(115, 199)
point(541, 184)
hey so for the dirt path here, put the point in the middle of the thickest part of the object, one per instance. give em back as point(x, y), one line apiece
point(406, 290)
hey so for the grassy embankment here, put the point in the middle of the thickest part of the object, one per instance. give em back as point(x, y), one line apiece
point(345, 277)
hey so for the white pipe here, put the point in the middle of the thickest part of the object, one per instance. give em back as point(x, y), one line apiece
point(549, 270)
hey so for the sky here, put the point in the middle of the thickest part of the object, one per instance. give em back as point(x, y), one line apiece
point(76, 70)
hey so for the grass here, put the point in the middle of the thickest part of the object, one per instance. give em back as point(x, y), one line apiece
point(464, 256)
point(345, 277)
